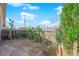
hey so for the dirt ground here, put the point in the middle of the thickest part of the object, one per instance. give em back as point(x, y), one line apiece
point(21, 47)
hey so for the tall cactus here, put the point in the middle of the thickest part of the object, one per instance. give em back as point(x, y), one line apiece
point(11, 23)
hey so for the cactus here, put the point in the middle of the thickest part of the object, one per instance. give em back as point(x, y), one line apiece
point(11, 34)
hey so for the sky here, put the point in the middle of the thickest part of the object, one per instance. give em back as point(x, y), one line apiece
point(35, 14)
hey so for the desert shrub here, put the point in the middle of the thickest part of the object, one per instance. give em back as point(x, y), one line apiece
point(36, 34)
point(50, 51)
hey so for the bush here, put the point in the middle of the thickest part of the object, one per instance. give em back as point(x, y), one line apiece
point(50, 51)
point(36, 34)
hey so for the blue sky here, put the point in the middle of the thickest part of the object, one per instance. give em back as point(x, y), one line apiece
point(44, 14)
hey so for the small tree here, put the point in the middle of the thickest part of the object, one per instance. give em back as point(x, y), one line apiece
point(69, 27)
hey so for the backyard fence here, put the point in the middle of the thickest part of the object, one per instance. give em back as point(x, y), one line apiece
point(47, 34)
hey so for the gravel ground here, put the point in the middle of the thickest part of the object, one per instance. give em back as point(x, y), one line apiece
point(20, 47)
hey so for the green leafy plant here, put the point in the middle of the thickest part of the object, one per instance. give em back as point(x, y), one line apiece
point(36, 34)
point(50, 51)
point(69, 28)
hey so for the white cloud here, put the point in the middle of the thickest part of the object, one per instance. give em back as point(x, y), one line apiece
point(34, 7)
point(7, 21)
point(25, 6)
point(56, 24)
point(44, 22)
point(19, 21)
point(29, 6)
point(27, 16)
point(47, 23)
point(59, 10)
point(16, 4)
point(7, 18)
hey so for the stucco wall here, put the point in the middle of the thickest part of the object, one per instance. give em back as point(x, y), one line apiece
point(2, 16)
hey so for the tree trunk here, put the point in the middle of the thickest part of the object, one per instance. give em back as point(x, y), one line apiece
point(59, 53)
point(74, 48)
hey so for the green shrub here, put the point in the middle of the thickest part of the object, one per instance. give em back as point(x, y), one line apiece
point(36, 34)
point(69, 27)
point(50, 51)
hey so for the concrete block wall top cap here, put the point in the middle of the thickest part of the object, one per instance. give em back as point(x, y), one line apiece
point(2, 4)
